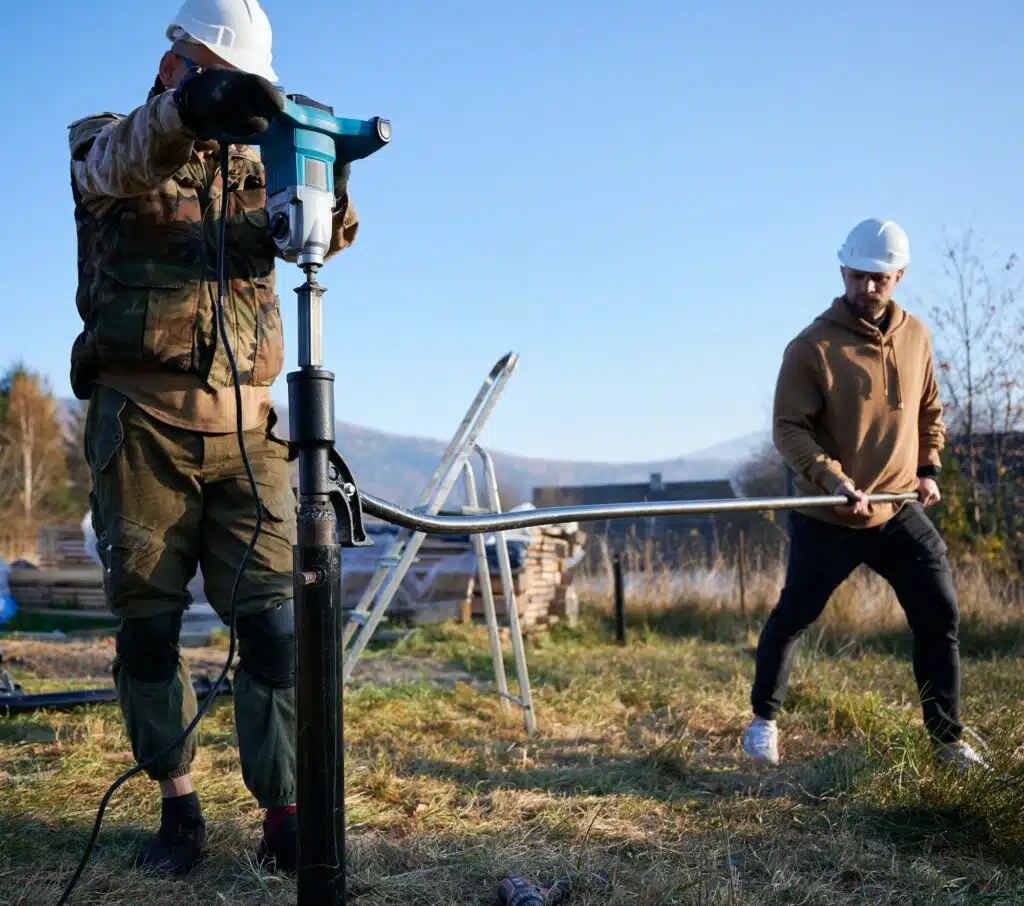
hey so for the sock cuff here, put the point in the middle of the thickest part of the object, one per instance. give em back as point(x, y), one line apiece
point(178, 810)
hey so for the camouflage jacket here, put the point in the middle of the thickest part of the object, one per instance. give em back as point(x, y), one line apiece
point(147, 212)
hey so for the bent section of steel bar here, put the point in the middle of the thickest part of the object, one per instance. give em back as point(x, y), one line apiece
point(496, 522)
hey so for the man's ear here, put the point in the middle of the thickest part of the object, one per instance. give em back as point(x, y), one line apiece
point(899, 274)
point(168, 63)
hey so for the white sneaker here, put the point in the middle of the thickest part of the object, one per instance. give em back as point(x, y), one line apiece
point(761, 740)
point(962, 757)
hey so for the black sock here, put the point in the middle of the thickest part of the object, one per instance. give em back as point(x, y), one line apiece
point(181, 811)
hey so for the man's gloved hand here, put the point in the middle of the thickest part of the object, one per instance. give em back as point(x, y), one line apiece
point(225, 102)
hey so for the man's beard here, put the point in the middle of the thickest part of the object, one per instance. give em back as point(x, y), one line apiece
point(868, 307)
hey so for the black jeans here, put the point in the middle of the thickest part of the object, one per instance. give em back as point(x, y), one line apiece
point(910, 555)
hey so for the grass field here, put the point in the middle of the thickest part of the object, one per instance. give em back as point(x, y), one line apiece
point(636, 771)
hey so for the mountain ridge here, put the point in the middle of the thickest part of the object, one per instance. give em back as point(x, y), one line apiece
point(398, 466)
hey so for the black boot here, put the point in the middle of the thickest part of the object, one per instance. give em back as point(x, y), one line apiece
point(178, 846)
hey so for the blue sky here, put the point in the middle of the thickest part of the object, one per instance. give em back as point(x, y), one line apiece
point(643, 200)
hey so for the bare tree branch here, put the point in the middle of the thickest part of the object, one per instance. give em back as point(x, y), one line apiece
point(979, 343)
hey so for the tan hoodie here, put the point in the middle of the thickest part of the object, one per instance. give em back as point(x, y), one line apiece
point(853, 404)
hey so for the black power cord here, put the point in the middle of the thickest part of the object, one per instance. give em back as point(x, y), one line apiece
point(224, 164)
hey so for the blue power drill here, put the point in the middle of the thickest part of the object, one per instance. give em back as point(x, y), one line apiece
point(299, 150)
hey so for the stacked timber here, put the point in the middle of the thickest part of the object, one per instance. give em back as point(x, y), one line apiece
point(542, 579)
point(62, 546)
point(443, 580)
point(441, 584)
point(57, 588)
point(66, 578)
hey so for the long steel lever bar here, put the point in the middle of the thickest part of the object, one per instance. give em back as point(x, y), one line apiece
point(500, 522)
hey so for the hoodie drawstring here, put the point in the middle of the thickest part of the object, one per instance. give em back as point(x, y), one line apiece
point(895, 370)
point(885, 373)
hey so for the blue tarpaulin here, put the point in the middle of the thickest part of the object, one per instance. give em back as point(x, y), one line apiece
point(7, 606)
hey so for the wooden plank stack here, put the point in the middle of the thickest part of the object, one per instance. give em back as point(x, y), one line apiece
point(543, 585)
point(61, 546)
point(67, 578)
point(442, 584)
point(57, 588)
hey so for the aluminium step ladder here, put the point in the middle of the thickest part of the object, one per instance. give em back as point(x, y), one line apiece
point(363, 619)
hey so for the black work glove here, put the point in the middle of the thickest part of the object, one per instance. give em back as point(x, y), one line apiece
point(223, 102)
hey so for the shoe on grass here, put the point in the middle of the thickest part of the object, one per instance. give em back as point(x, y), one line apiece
point(761, 741)
point(961, 757)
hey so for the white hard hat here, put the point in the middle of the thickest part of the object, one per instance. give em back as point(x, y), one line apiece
point(876, 246)
point(238, 31)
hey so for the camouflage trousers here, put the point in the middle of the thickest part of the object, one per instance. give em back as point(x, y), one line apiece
point(164, 501)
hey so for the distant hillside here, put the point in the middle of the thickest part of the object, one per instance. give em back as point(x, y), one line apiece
point(398, 467)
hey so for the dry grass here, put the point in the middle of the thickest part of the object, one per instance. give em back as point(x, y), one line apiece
point(636, 771)
point(862, 614)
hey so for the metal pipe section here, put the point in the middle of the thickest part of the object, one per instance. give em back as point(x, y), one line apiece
point(18, 703)
point(319, 741)
point(498, 522)
point(311, 348)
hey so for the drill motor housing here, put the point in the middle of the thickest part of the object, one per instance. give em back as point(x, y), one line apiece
point(299, 151)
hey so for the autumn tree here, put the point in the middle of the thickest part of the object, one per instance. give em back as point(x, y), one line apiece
point(79, 478)
point(31, 440)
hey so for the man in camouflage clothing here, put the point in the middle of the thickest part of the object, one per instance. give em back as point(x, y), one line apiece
point(170, 491)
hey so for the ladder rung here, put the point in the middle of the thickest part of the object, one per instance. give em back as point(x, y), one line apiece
point(512, 698)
